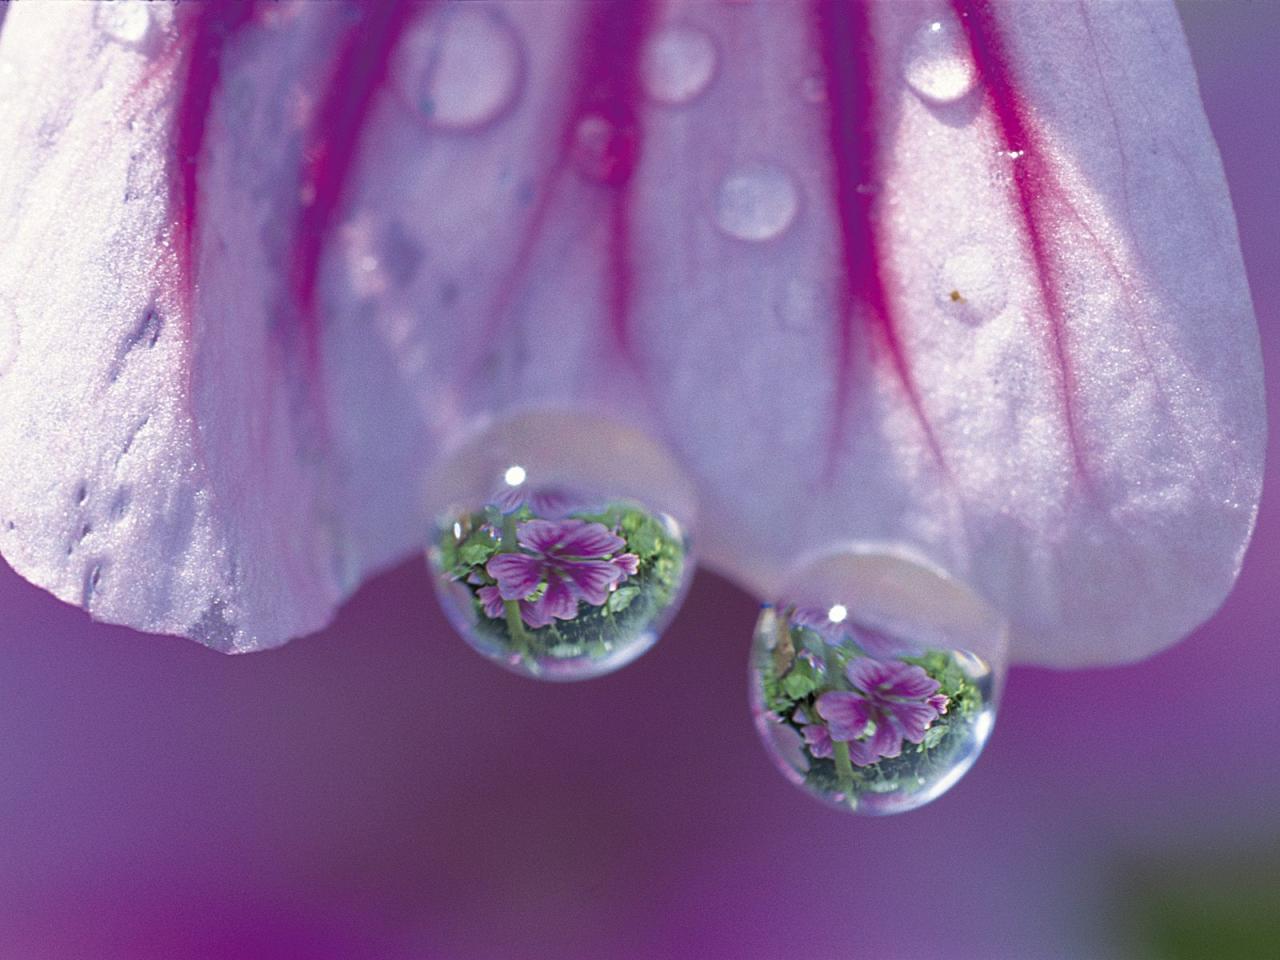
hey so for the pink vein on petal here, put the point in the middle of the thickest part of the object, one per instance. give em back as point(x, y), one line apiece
point(607, 91)
point(1035, 189)
point(609, 87)
point(847, 54)
point(208, 27)
point(361, 67)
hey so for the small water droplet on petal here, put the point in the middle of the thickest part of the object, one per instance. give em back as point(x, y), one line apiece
point(971, 284)
point(678, 64)
point(125, 21)
point(603, 150)
point(878, 703)
point(757, 202)
point(461, 68)
point(937, 64)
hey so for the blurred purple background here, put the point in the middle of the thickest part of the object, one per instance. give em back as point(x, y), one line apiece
point(378, 791)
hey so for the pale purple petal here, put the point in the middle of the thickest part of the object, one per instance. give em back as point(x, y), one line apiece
point(847, 714)
point(883, 679)
point(509, 499)
point(553, 504)
point(558, 601)
point(268, 418)
point(543, 536)
point(492, 598)
point(536, 613)
point(939, 702)
point(628, 563)
point(886, 740)
point(863, 754)
point(819, 740)
point(911, 719)
point(591, 579)
point(518, 574)
point(579, 539)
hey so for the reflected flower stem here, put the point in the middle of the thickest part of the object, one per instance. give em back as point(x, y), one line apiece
point(515, 624)
point(844, 768)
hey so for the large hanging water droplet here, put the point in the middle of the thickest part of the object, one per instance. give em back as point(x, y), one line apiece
point(757, 202)
point(874, 681)
point(678, 64)
point(461, 68)
point(125, 21)
point(553, 577)
point(971, 284)
point(937, 64)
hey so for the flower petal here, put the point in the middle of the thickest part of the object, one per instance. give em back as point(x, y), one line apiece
point(518, 574)
point(591, 579)
point(847, 714)
point(890, 679)
point(912, 719)
point(1080, 440)
point(885, 740)
point(818, 739)
point(589, 540)
point(492, 600)
point(558, 601)
point(247, 428)
point(628, 563)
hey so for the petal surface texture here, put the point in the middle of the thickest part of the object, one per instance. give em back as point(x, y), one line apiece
point(960, 278)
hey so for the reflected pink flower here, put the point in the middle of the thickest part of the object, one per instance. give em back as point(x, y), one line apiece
point(571, 559)
point(891, 699)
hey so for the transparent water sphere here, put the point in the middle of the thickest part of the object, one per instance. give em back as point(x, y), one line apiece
point(937, 63)
point(553, 573)
point(874, 687)
point(461, 67)
point(757, 202)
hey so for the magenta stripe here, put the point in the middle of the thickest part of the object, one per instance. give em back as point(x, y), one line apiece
point(844, 39)
point(206, 28)
point(362, 64)
point(1034, 186)
point(609, 87)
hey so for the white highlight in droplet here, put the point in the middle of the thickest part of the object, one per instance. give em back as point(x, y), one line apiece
point(461, 68)
point(937, 63)
point(838, 613)
point(514, 476)
point(757, 202)
point(678, 64)
point(971, 284)
point(125, 21)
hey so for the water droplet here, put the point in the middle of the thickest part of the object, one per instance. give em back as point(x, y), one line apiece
point(874, 682)
point(560, 571)
point(757, 202)
point(125, 21)
point(603, 150)
point(8, 336)
point(971, 284)
point(461, 68)
point(678, 64)
point(937, 64)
